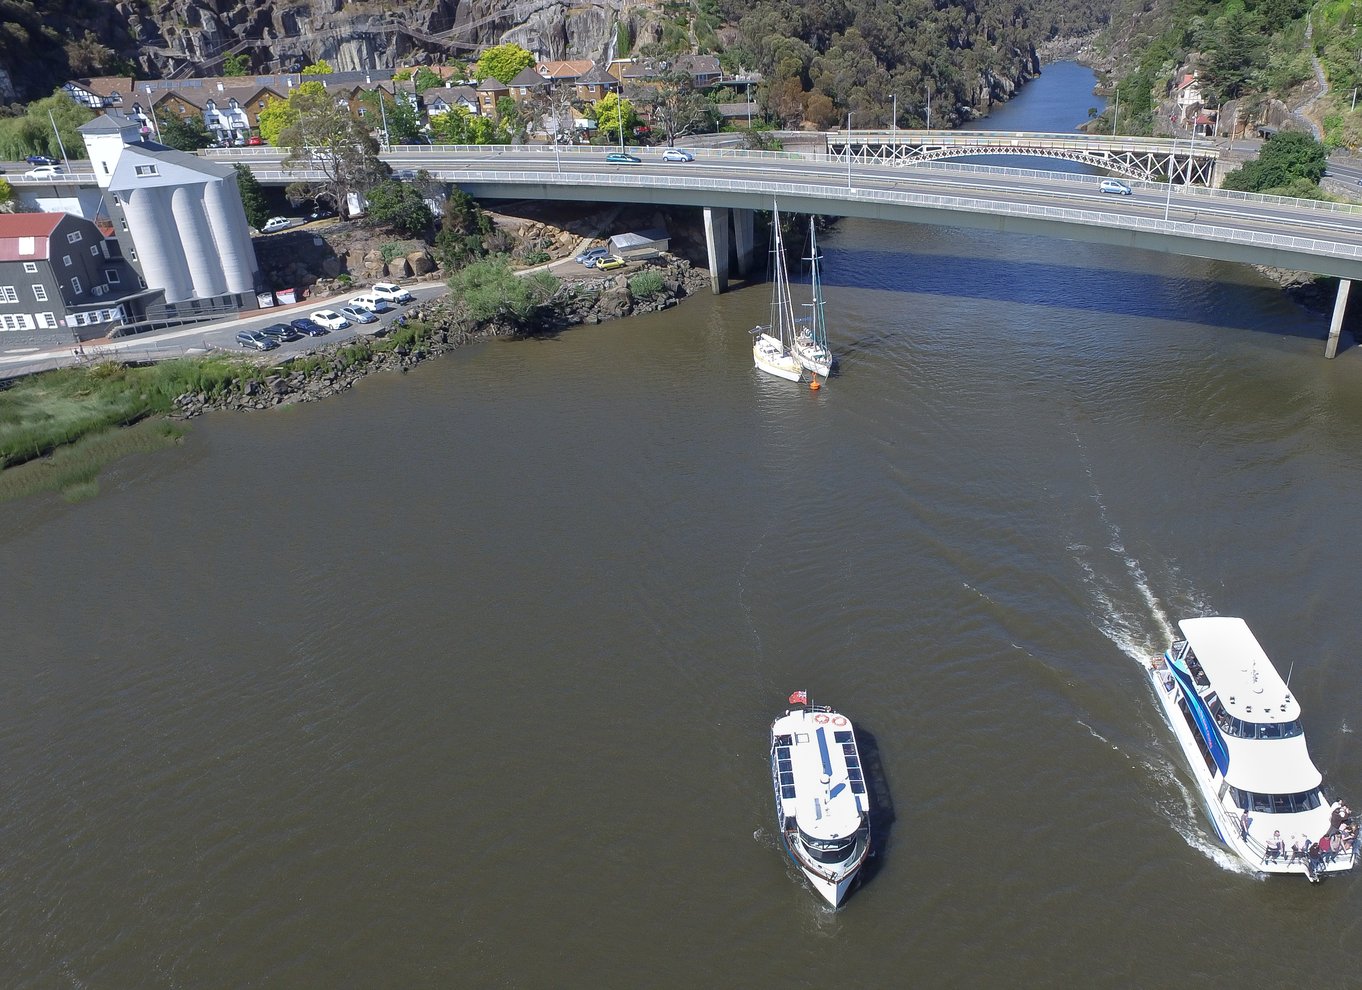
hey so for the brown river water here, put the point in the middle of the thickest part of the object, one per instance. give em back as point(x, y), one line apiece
point(463, 679)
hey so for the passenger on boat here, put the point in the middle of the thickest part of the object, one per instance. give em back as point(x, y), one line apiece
point(1326, 848)
point(1338, 814)
point(1343, 842)
point(1275, 847)
point(1298, 848)
point(1245, 820)
point(1315, 859)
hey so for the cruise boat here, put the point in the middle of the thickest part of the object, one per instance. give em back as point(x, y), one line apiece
point(822, 808)
point(1240, 730)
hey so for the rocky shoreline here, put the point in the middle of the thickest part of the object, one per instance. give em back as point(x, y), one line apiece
point(434, 329)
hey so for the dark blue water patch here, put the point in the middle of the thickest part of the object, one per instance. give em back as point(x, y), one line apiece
point(1116, 292)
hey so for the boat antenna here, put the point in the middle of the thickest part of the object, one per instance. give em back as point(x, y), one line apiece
point(1288, 674)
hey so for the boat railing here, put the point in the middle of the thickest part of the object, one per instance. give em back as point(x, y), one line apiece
point(1287, 857)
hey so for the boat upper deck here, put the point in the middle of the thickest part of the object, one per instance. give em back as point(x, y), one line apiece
point(820, 773)
point(1243, 677)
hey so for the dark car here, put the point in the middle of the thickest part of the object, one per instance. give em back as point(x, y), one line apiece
point(623, 158)
point(40, 160)
point(309, 328)
point(321, 213)
point(281, 332)
point(256, 340)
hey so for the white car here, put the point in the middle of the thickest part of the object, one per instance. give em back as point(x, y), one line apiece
point(44, 172)
point(276, 223)
point(373, 303)
point(677, 155)
point(391, 291)
point(330, 319)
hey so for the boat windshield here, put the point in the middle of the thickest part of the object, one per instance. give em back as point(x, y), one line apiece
point(826, 850)
point(1277, 804)
point(1239, 729)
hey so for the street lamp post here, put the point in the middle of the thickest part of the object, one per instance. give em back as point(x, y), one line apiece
point(848, 149)
point(894, 120)
point(929, 106)
point(1116, 114)
point(1172, 163)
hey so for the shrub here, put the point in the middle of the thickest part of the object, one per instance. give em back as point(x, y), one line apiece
point(645, 284)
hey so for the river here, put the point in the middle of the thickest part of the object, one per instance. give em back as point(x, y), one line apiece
point(463, 679)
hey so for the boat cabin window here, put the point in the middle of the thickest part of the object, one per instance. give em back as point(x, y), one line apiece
point(1240, 729)
point(1277, 804)
point(826, 850)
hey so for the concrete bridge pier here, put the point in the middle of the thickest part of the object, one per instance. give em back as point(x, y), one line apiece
point(1340, 305)
point(716, 241)
point(742, 239)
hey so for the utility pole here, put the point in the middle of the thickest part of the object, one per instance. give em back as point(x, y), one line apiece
point(894, 121)
point(1115, 114)
point(60, 145)
point(929, 106)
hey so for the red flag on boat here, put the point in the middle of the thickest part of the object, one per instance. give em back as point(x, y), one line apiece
point(799, 698)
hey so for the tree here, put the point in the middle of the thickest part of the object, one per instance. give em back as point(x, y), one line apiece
point(503, 62)
point(673, 106)
point(276, 115)
point(461, 126)
point(608, 111)
point(88, 55)
point(323, 137)
point(182, 133)
point(8, 197)
point(32, 134)
point(425, 79)
point(321, 67)
point(236, 65)
point(463, 231)
point(399, 116)
point(1284, 159)
point(488, 290)
point(252, 196)
point(401, 207)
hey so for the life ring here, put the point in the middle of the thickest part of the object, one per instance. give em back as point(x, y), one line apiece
point(820, 718)
point(839, 720)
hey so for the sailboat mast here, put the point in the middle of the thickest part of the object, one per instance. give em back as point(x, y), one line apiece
point(820, 326)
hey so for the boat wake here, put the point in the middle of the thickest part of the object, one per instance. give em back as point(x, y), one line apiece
point(1186, 818)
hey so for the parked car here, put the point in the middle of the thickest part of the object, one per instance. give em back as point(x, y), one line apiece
point(373, 303)
point(355, 314)
point(591, 255)
point(392, 292)
point(405, 174)
point(677, 155)
point(610, 263)
point(44, 172)
point(1114, 186)
point(330, 319)
point(40, 160)
point(309, 328)
point(276, 223)
point(281, 332)
point(623, 158)
point(255, 340)
point(255, 141)
point(321, 213)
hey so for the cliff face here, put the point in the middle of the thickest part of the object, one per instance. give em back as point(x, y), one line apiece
point(175, 38)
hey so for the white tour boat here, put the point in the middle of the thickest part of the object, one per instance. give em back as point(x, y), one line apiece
point(771, 344)
point(1239, 727)
point(822, 808)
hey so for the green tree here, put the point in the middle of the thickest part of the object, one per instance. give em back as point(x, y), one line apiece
point(88, 55)
point(277, 115)
point(252, 196)
point(324, 138)
point(674, 107)
point(31, 134)
point(1285, 159)
point(488, 290)
point(182, 133)
point(608, 111)
point(401, 207)
point(425, 79)
point(8, 197)
point(461, 126)
point(400, 116)
point(321, 67)
point(503, 62)
point(236, 65)
point(463, 231)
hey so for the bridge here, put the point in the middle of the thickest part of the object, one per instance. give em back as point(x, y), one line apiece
point(1147, 159)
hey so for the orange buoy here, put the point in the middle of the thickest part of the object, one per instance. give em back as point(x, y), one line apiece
point(814, 386)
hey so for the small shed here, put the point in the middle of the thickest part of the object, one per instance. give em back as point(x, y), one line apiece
point(638, 245)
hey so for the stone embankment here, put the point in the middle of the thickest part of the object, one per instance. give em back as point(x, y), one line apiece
point(331, 369)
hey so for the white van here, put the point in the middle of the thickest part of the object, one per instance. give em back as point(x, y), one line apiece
point(1114, 186)
point(390, 291)
point(372, 303)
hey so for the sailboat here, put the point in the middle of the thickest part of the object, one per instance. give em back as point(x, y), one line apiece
point(810, 345)
point(771, 344)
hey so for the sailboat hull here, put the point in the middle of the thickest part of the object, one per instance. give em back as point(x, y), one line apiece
point(813, 358)
point(770, 356)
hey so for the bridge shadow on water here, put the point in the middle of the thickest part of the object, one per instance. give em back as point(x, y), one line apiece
point(1261, 306)
point(881, 802)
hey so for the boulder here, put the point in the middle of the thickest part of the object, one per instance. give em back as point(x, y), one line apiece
point(398, 268)
point(420, 262)
point(615, 302)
